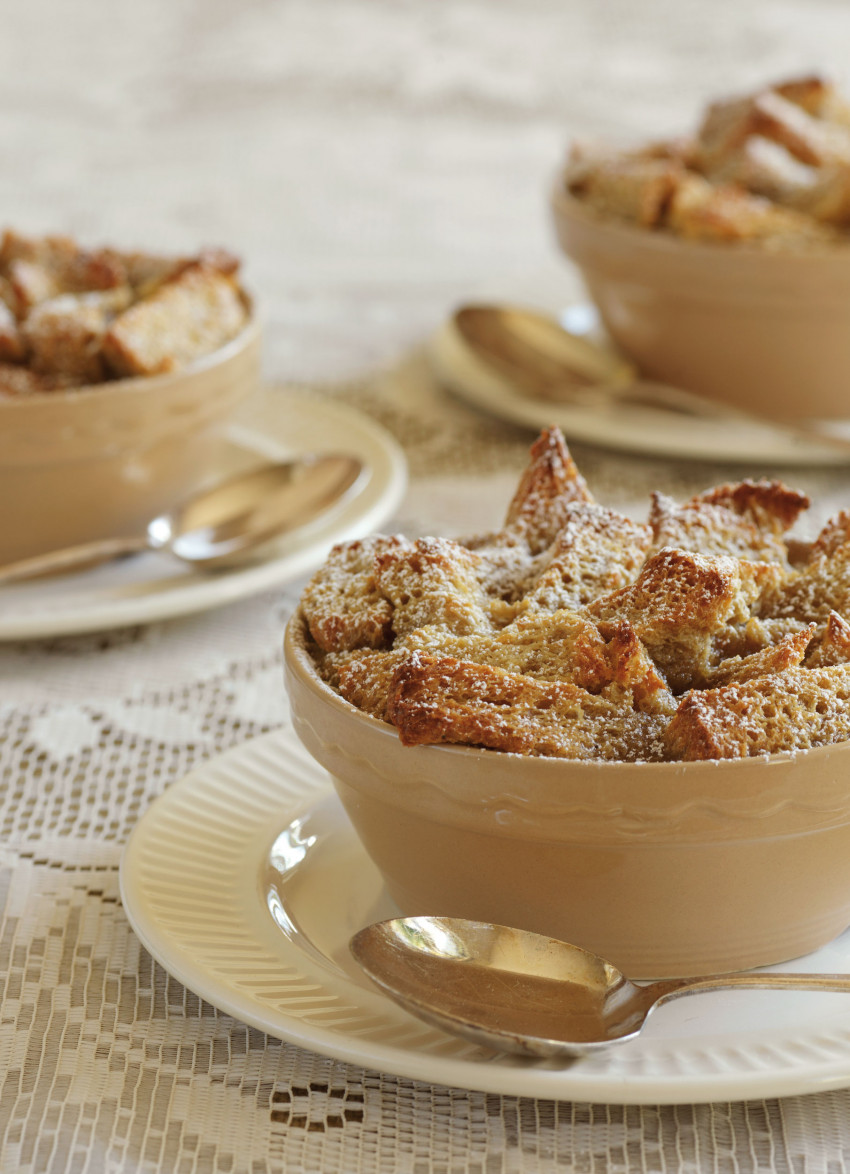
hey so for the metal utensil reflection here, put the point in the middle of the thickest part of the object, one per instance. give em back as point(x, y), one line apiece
point(521, 992)
point(224, 524)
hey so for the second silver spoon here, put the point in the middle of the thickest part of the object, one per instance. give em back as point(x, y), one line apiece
point(221, 525)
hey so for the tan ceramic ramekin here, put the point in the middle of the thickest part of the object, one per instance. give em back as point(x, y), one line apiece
point(665, 869)
point(101, 461)
point(758, 328)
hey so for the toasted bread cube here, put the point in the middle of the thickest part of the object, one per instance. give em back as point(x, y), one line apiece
point(729, 124)
point(64, 335)
point(439, 699)
point(767, 169)
point(788, 653)
point(16, 380)
point(53, 253)
point(828, 198)
point(815, 94)
point(190, 316)
point(364, 677)
point(434, 581)
point(560, 646)
point(596, 551)
point(833, 644)
point(744, 520)
point(701, 211)
point(30, 284)
point(681, 602)
point(822, 584)
point(550, 483)
point(342, 604)
point(798, 709)
point(627, 187)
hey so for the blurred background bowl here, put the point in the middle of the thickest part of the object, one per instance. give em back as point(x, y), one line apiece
point(758, 328)
point(665, 868)
point(101, 461)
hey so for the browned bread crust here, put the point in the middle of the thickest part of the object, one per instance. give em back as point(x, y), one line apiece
point(798, 709)
point(432, 581)
point(64, 335)
point(190, 315)
point(832, 645)
point(773, 658)
point(823, 583)
point(549, 485)
point(474, 646)
point(745, 520)
point(681, 601)
point(439, 699)
point(342, 603)
point(596, 551)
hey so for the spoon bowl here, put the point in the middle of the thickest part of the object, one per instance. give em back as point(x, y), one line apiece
point(224, 524)
point(524, 993)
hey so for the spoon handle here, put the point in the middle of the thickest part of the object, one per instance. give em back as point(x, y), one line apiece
point(72, 556)
point(672, 988)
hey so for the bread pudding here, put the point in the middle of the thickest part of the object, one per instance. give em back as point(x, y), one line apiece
point(706, 632)
point(71, 316)
point(771, 167)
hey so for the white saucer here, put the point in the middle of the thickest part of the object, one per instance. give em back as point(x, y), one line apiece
point(273, 425)
point(625, 428)
point(246, 881)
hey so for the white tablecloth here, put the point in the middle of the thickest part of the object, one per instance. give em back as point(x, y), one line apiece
point(375, 162)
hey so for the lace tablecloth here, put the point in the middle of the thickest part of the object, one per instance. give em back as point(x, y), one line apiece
point(109, 1064)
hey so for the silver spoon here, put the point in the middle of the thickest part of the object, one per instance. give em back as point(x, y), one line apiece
point(520, 992)
point(223, 524)
point(539, 357)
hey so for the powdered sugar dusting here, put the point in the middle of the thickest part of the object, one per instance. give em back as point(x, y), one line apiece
point(576, 632)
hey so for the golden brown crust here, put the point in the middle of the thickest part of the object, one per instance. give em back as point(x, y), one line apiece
point(795, 710)
point(59, 304)
point(596, 551)
point(189, 316)
point(16, 380)
point(550, 483)
point(64, 335)
point(631, 188)
point(439, 699)
point(788, 653)
point(432, 581)
point(342, 604)
point(821, 586)
point(681, 601)
point(832, 645)
point(744, 519)
point(700, 210)
point(454, 644)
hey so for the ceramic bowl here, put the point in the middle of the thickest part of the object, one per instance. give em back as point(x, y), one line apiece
point(665, 869)
point(101, 461)
point(761, 329)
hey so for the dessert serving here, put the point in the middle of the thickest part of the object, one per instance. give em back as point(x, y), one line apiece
point(118, 371)
point(576, 632)
point(633, 736)
point(771, 167)
point(71, 316)
point(719, 263)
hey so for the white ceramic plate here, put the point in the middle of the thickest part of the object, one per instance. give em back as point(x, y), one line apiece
point(246, 881)
point(273, 425)
point(624, 428)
